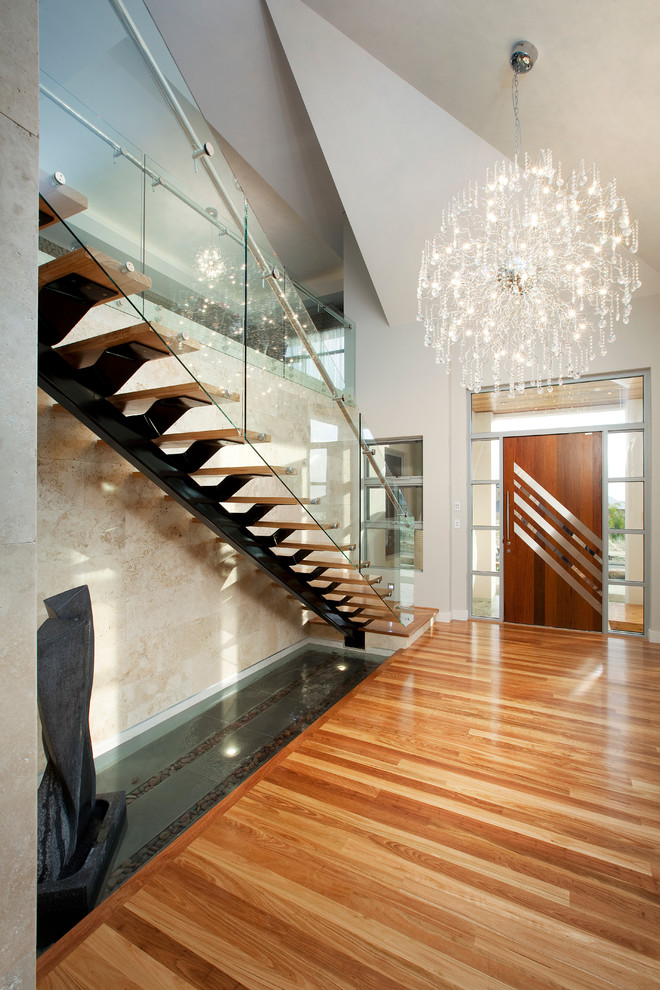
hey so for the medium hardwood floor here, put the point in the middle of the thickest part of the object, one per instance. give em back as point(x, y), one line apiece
point(482, 812)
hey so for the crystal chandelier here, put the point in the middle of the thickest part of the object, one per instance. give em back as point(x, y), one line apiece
point(530, 271)
point(210, 265)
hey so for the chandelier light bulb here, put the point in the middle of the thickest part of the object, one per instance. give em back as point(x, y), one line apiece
point(530, 271)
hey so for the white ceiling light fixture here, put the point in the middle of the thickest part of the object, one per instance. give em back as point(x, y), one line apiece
point(530, 271)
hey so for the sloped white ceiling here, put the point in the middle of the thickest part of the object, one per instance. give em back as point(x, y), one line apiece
point(594, 92)
point(232, 61)
point(348, 104)
point(394, 155)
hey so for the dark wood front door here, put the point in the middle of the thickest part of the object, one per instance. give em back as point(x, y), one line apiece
point(553, 530)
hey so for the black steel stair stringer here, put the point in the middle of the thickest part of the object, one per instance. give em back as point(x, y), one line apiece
point(64, 301)
point(126, 435)
point(116, 365)
point(197, 454)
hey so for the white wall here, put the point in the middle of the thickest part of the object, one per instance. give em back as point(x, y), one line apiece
point(19, 124)
point(402, 392)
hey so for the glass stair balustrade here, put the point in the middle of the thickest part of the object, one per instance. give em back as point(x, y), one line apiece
point(168, 325)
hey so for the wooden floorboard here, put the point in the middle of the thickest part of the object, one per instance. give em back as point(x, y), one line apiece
point(483, 812)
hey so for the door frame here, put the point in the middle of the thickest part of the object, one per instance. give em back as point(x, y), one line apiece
point(605, 429)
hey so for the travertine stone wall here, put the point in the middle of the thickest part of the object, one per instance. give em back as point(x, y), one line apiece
point(18, 253)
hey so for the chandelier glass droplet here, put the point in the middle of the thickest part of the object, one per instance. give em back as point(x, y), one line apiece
point(529, 274)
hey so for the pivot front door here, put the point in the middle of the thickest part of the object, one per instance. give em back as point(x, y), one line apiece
point(553, 507)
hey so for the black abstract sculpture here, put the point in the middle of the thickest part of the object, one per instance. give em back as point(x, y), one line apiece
point(77, 831)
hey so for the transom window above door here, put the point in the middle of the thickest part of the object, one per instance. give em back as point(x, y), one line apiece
point(571, 405)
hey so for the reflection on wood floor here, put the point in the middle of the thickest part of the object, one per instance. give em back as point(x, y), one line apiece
point(483, 812)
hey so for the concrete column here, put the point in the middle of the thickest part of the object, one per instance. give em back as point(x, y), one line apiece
point(19, 118)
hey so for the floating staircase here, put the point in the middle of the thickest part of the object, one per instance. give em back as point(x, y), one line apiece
point(88, 377)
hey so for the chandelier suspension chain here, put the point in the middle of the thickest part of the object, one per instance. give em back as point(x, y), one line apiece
point(516, 117)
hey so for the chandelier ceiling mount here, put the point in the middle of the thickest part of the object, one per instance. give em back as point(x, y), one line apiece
point(523, 56)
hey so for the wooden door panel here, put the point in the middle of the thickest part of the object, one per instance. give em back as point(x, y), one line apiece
point(553, 527)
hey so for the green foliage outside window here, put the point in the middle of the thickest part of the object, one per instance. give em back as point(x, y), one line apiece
point(616, 517)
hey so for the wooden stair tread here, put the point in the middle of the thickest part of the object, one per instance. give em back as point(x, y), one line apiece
point(327, 565)
point(323, 547)
point(383, 627)
point(274, 524)
point(255, 469)
point(366, 614)
point(369, 616)
point(230, 435)
point(56, 197)
point(85, 262)
point(374, 611)
point(85, 352)
point(357, 599)
point(322, 582)
point(351, 605)
point(346, 601)
point(267, 500)
point(190, 390)
point(422, 615)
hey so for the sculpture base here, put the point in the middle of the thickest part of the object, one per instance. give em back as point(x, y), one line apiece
point(62, 903)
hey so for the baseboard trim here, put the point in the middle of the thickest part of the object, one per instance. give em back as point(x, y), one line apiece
point(654, 635)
